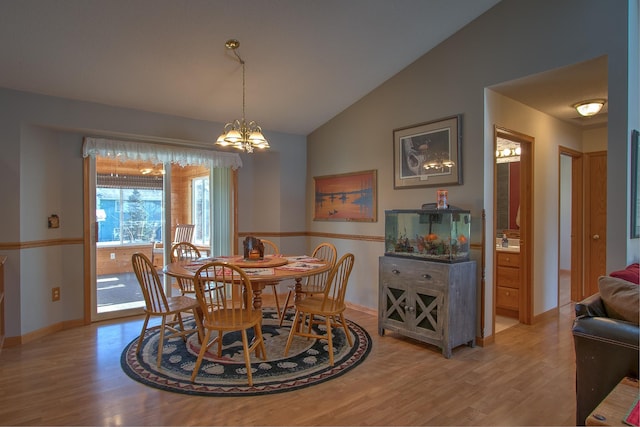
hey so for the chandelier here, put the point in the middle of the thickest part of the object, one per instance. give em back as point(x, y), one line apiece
point(239, 133)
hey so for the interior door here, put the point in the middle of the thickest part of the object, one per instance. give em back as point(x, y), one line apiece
point(595, 220)
point(571, 226)
point(526, 230)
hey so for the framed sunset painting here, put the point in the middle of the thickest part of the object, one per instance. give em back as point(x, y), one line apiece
point(346, 197)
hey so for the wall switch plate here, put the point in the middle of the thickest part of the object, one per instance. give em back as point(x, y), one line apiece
point(55, 294)
point(113, 255)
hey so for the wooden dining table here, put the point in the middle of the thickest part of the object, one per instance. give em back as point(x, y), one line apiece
point(273, 268)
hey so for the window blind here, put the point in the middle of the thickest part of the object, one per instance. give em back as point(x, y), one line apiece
point(129, 181)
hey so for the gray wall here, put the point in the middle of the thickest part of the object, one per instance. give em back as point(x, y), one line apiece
point(512, 40)
point(41, 173)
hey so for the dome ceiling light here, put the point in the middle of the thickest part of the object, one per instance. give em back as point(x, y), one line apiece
point(590, 107)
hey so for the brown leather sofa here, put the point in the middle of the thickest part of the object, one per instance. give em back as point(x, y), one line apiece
point(606, 351)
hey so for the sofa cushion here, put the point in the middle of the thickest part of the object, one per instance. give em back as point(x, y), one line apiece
point(621, 298)
point(630, 274)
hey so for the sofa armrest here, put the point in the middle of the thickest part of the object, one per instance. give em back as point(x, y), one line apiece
point(591, 307)
point(609, 331)
point(606, 351)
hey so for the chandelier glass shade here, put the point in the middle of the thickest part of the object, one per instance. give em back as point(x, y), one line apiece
point(590, 107)
point(240, 134)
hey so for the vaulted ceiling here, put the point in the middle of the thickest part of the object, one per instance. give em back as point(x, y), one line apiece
point(306, 61)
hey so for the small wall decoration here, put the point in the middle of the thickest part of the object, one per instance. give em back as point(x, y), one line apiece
point(428, 154)
point(346, 197)
point(53, 221)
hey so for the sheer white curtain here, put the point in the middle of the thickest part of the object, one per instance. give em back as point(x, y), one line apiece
point(221, 211)
point(219, 163)
point(159, 153)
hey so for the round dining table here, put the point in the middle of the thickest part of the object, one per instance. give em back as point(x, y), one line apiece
point(273, 268)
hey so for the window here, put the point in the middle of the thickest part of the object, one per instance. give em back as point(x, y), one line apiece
point(128, 209)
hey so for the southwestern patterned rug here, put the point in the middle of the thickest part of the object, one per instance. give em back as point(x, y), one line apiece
point(307, 363)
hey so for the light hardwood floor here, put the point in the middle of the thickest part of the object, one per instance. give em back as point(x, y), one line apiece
point(527, 377)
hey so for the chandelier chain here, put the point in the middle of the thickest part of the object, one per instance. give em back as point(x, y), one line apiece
point(241, 61)
point(243, 86)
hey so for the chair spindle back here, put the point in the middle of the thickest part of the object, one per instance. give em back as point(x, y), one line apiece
point(328, 253)
point(185, 251)
point(184, 233)
point(336, 287)
point(225, 295)
point(154, 296)
point(270, 248)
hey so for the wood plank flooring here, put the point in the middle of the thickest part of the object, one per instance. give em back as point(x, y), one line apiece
point(527, 377)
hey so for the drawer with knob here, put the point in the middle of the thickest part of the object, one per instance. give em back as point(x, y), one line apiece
point(507, 282)
point(509, 277)
point(396, 271)
point(507, 298)
point(508, 259)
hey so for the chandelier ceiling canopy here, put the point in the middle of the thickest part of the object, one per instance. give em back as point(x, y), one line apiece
point(240, 134)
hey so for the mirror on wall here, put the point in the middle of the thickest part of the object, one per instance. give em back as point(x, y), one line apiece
point(508, 187)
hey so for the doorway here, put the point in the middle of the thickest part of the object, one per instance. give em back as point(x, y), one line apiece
point(197, 187)
point(570, 226)
point(513, 228)
point(137, 206)
point(129, 204)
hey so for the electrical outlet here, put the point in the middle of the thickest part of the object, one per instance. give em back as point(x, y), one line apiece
point(55, 294)
point(113, 255)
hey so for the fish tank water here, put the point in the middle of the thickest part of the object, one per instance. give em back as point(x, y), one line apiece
point(429, 234)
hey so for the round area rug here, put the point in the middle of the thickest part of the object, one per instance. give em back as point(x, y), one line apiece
point(307, 363)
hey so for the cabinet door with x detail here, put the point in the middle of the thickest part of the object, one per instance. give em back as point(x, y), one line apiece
point(428, 308)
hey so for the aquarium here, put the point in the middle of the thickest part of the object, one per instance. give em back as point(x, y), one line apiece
point(429, 234)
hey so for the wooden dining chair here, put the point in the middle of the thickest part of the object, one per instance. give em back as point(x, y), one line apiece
point(183, 233)
point(329, 304)
point(185, 251)
point(170, 309)
point(225, 296)
point(314, 284)
point(271, 248)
